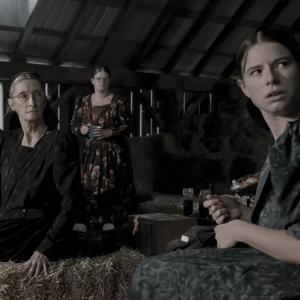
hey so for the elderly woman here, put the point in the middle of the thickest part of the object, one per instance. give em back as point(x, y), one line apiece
point(39, 181)
point(269, 65)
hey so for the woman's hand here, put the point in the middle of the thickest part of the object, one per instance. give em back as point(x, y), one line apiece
point(227, 234)
point(37, 263)
point(84, 129)
point(101, 133)
point(222, 208)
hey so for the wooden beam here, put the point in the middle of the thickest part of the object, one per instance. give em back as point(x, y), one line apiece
point(111, 3)
point(11, 28)
point(191, 14)
point(267, 22)
point(18, 51)
point(117, 25)
point(50, 32)
point(240, 12)
point(122, 77)
point(143, 7)
point(64, 35)
point(160, 26)
point(189, 37)
point(78, 20)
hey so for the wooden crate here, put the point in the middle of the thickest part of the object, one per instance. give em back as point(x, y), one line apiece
point(156, 230)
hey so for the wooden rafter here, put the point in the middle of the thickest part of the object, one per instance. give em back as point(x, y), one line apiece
point(11, 28)
point(117, 25)
point(50, 32)
point(18, 51)
point(190, 14)
point(64, 34)
point(188, 39)
point(111, 3)
point(157, 30)
point(122, 77)
point(267, 22)
point(77, 22)
point(240, 12)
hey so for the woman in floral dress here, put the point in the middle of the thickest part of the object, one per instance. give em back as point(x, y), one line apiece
point(102, 120)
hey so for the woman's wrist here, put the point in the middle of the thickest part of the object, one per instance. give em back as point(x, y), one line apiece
point(241, 230)
point(246, 231)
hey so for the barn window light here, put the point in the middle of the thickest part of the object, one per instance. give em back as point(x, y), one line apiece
point(5, 58)
point(72, 64)
point(38, 61)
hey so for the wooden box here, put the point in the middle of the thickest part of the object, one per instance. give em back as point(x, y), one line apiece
point(155, 231)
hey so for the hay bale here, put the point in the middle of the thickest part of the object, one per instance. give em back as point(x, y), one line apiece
point(105, 277)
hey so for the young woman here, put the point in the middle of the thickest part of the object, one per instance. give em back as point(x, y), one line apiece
point(102, 121)
point(269, 67)
point(40, 181)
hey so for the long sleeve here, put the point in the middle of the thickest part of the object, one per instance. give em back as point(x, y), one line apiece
point(80, 116)
point(281, 207)
point(67, 180)
point(121, 117)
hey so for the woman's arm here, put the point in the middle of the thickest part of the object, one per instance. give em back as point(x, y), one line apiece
point(121, 117)
point(79, 122)
point(67, 180)
point(276, 243)
point(121, 121)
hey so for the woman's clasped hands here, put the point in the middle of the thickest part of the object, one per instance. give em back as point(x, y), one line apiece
point(226, 212)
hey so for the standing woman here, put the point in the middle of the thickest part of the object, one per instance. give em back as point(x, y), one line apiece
point(40, 181)
point(269, 67)
point(102, 119)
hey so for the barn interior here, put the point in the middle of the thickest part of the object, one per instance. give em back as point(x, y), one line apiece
point(173, 60)
point(174, 63)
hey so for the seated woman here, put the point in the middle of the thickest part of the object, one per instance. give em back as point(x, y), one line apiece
point(40, 181)
point(269, 67)
point(102, 121)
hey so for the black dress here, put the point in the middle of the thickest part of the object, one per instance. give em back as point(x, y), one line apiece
point(40, 190)
point(238, 273)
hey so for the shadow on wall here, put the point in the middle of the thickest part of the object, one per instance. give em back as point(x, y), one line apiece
point(145, 156)
point(156, 170)
point(173, 174)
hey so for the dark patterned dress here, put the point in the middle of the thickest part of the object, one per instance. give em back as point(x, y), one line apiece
point(238, 273)
point(40, 189)
point(105, 164)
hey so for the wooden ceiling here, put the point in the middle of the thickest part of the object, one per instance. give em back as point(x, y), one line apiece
point(167, 44)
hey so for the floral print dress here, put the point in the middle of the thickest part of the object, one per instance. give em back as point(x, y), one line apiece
point(106, 172)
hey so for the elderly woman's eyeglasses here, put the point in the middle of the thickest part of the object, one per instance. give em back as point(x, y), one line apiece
point(24, 97)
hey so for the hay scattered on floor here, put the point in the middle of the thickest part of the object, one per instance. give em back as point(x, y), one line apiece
point(105, 277)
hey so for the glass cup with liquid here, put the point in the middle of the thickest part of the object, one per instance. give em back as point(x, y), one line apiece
point(188, 194)
point(202, 211)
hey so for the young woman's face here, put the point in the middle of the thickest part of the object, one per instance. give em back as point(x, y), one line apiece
point(28, 99)
point(101, 81)
point(271, 79)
